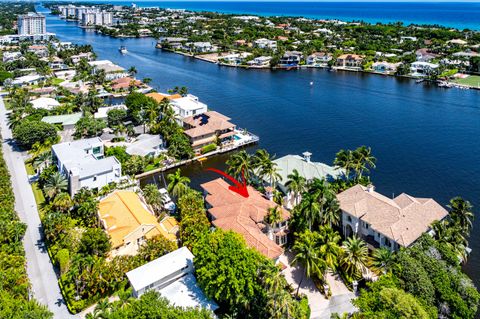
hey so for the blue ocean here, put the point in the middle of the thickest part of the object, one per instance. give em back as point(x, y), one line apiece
point(451, 14)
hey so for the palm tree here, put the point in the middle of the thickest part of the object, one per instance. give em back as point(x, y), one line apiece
point(62, 202)
point(355, 257)
point(274, 215)
point(306, 253)
point(363, 160)
point(266, 168)
point(151, 112)
point(310, 209)
point(328, 243)
point(344, 159)
point(177, 184)
point(296, 185)
point(153, 197)
point(331, 212)
point(382, 260)
point(55, 184)
point(461, 214)
point(240, 164)
point(41, 161)
point(132, 70)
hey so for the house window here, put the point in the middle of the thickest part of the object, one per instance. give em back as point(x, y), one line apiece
point(281, 239)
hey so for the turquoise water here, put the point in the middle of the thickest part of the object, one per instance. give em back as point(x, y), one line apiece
point(452, 14)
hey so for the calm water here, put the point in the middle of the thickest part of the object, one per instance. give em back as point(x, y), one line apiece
point(451, 14)
point(426, 139)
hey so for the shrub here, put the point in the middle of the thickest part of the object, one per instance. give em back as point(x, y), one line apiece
point(208, 148)
point(28, 133)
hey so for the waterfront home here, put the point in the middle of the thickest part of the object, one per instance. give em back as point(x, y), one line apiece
point(84, 164)
point(261, 61)
point(40, 51)
point(208, 128)
point(45, 91)
point(112, 70)
point(172, 275)
point(305, 168)
point(350, 61)
point(235, 58)
point(229, 210)
point(171, 42)
point(291, 59)
point(187, 106)
point(147, 145)
point(385, 67)
point(66, 74)
point(319, 59)
point(102, 112)
point(203, 47)
point(424, 55)
point(387, 222)
point(458, 42)
point(159, 97)
point(122, 84)
point(45, 103)
point(265, 44)
point(128, 222)
point(420, 68)
point(66, 121)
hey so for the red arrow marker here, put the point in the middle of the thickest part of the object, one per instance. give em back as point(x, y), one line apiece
point(239, 188)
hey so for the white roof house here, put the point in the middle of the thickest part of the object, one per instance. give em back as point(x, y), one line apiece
point(84, 164)
point(46, 103)
point(27, 79)
point(147, 145)
point(172, 276)
point(188, 106)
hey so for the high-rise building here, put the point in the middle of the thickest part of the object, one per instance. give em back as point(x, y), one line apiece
point(31, 23)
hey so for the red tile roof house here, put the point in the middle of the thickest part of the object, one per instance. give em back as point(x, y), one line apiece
point(125, 83)
point(245, 216)
point(204, 129)
point(386, 222)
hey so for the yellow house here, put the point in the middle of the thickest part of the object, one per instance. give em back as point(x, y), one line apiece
point(129, 222)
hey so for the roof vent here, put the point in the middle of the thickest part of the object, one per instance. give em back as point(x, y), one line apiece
point(307, 156)
point(370, 188)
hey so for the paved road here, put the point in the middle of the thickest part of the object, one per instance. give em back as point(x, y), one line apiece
point(39, 268)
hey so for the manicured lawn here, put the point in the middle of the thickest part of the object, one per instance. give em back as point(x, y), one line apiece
point(57, 81)
point(37, 193)
point(472, 80)
point(30, 169)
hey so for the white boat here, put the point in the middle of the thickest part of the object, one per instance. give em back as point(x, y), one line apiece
point(123, 49)
point(168, 204)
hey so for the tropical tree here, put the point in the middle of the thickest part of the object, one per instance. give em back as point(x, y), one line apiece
point(266, 167)
point(363, 160)
point(62, 202)
point(382, 260)
point(296, 184)
point(177, 184)
point(42, 160)
point(310, 209)
point(461, 214)
point(132, 70)
point(307, 254)
point(328, 242)
point(241, 165)
point(153, 197)
point(274, 215)
point(344, 159)
point(354, 258)
point(56, 184)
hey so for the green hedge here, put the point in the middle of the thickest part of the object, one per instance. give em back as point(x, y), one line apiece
point(208, 148)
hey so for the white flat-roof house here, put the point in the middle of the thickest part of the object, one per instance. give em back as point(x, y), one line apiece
point(172, 276)
point(420, 68)
point(387, 222)
point(46, 103)
point(147, 145)
point(261, 61)
point(83, 163)
point(265, 44)
point(188, 106)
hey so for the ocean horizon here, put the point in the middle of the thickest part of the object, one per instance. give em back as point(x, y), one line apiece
point(460, 15)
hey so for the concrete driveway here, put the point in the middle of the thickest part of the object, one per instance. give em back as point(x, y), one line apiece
point(321, 307)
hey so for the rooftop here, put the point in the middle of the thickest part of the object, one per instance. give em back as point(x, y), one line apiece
point(231, 211)
point(207, 123)
point(66, 119)
point(160, 97)
point(145, 144)
point(122, 212)
point(403, 219)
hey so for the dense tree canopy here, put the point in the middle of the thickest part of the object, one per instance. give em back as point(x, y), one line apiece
point(27, 133)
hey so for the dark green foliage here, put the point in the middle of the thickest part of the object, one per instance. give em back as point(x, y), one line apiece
point(94, 242)
point(119, 152)
point(116, 117)
point(208, 148)
point(27, 133)
point(88, 126)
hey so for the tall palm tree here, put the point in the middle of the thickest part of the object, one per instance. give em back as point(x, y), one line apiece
point(344, 159)
point(296, 185)
point(331, 212)
point(461, 214)
point(363, 160)
point(132, 70)
point(177, 184)
point(62, 202)
point(382, 260)
point(240, 164)
point(266, 168)
point(151, 113)
point(355, 257)
point(55, 184)
point(153, 197)
point(307, 254)
point(310, 209)
point(328, 242)
point(274, 215)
